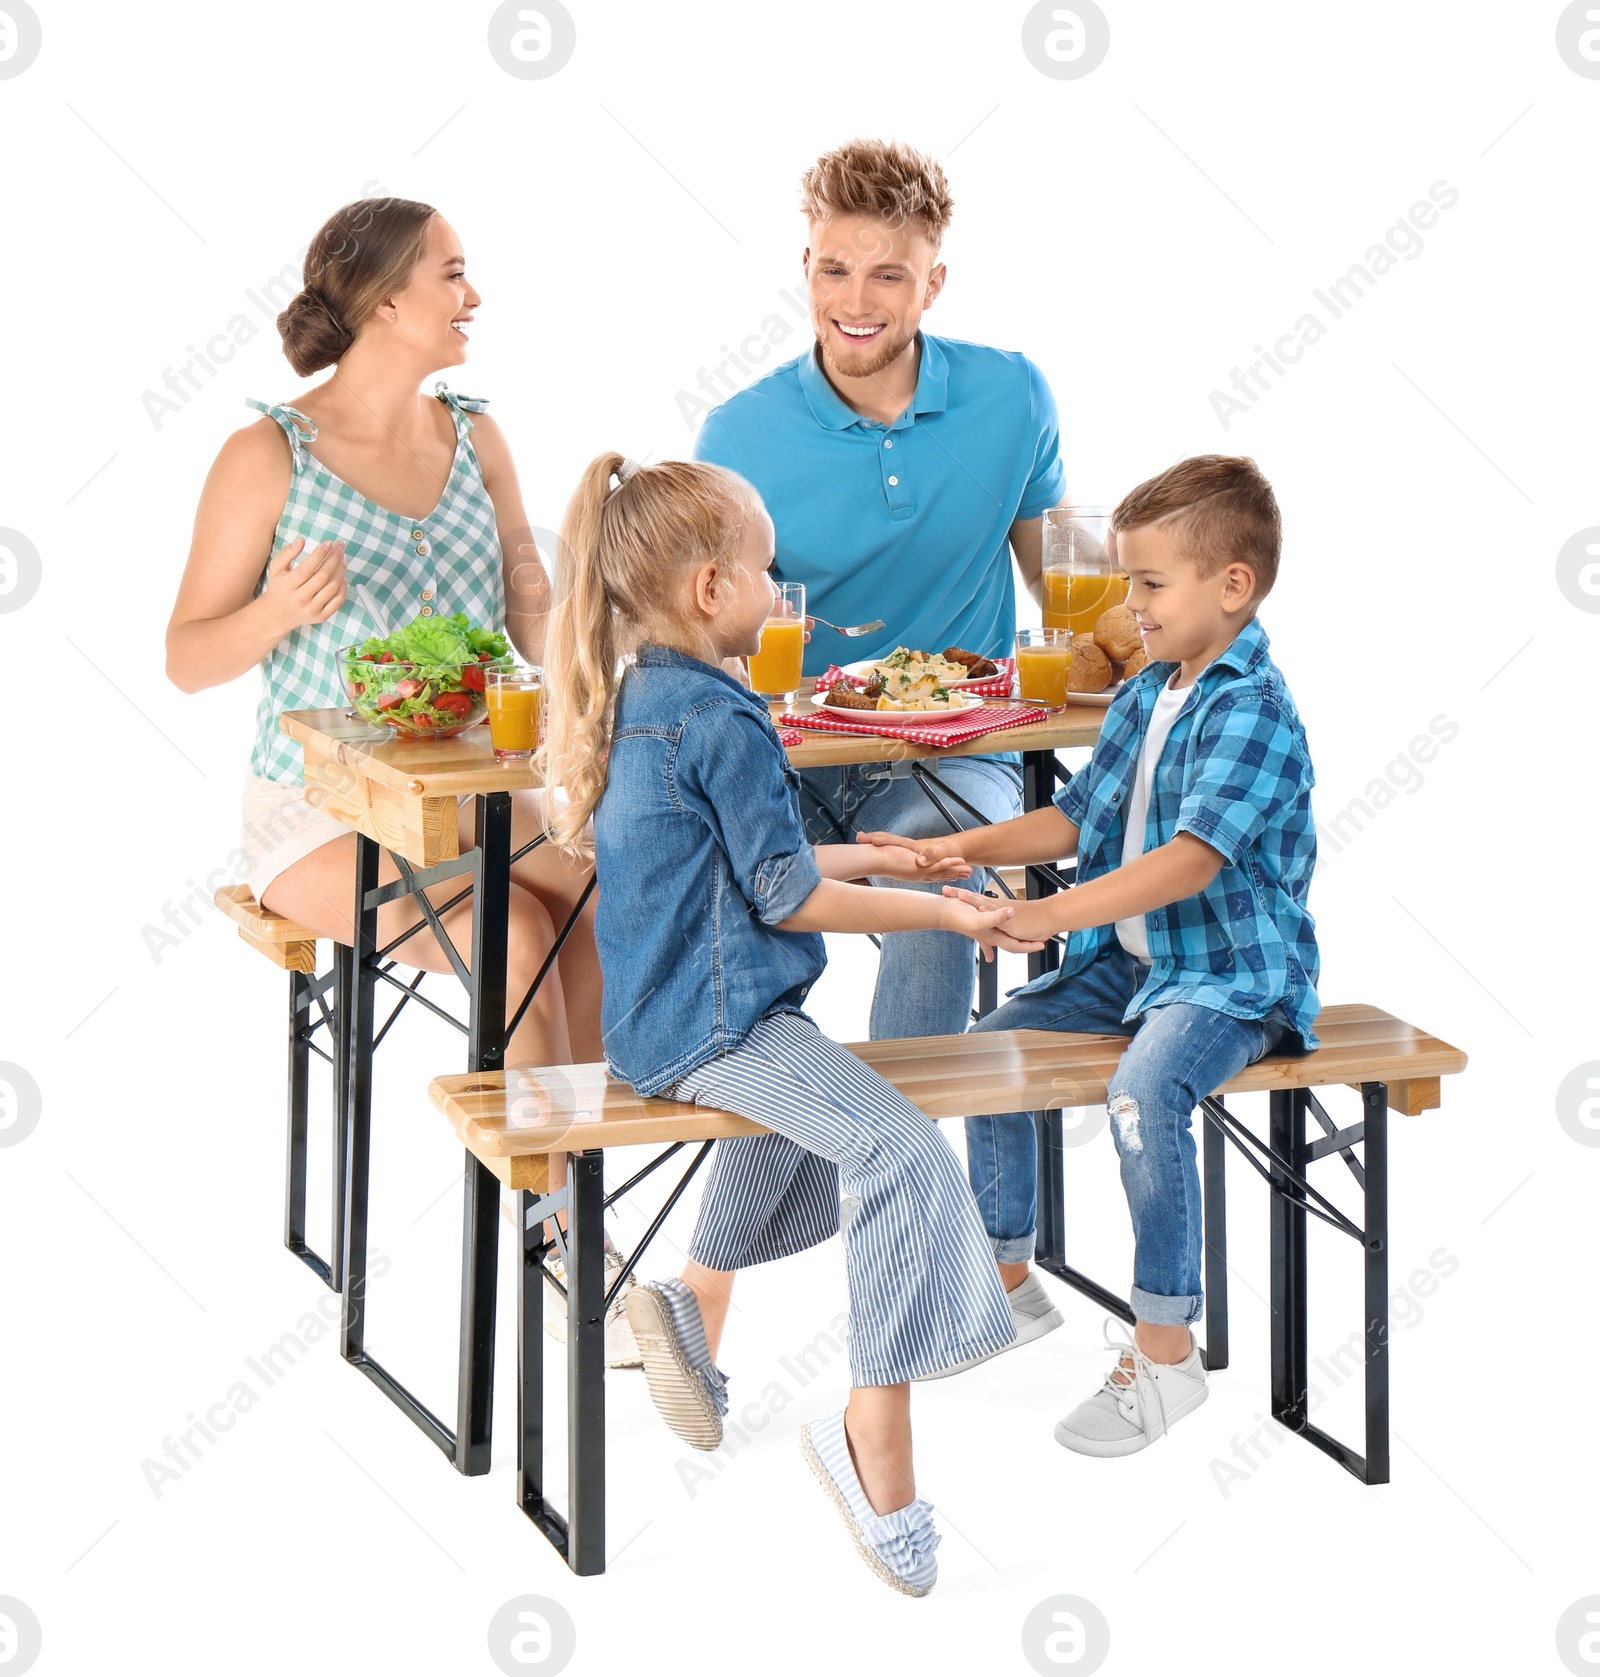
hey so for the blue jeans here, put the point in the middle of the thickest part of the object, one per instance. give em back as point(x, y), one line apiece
point(925, 979)
point(1178, 1055)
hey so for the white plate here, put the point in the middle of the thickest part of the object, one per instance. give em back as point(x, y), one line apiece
point(1104, 698)
point(865, 666)
point(897, 717)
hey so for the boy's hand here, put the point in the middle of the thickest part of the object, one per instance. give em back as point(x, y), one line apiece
point(986, 925)
point(1030, 920)
point(930, 853)
point(889, 858)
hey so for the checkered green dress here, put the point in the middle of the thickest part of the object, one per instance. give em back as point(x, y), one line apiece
point(446, 562)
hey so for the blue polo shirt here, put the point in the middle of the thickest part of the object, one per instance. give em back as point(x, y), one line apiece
point(908, 522)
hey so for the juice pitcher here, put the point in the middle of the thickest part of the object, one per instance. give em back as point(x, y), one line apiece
point(1081, 578)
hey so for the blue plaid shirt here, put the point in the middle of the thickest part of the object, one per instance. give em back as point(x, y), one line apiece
point(1236, 772)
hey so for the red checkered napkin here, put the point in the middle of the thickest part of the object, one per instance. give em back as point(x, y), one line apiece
point(790, 736)
point(994, 687)
point(987, 719)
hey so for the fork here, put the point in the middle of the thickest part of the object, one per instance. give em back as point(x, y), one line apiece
point(850, 631)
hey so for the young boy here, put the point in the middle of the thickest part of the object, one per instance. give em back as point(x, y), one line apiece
point(1188, 926)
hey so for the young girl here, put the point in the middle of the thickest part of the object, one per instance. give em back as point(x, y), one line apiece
point(711, 906)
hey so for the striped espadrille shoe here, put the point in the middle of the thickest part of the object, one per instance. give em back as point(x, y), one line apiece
point(899, 1547)
point(688, 1389)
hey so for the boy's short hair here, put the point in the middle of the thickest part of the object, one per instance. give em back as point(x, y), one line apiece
point(1221, 508)
point(880, 178)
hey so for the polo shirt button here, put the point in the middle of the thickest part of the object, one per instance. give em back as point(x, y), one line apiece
point(893, 481)
point(427, 611)
point(888, 442)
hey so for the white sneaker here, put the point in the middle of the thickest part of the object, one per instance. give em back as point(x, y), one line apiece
point(1138, 1403)
point(1032, 1314)
point(621, 1349)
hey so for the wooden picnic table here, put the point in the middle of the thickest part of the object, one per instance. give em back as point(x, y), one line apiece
point(401, 795)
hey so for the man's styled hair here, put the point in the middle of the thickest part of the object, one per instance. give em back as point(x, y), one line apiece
point(1220, 508)
point(880, 178)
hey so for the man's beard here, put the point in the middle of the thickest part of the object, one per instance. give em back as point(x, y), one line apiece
point(882, 352)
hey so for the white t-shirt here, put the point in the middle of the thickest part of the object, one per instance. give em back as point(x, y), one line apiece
point(1169, 701)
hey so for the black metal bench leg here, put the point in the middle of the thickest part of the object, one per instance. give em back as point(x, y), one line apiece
point(1289, 1349)
point(294, 1181)
point(1375, 1163)
point(344, 977)
point(1050, 1202)
point(530, 1378)
point(586, 1364)
point(1215, 1190)
point(480, 1249)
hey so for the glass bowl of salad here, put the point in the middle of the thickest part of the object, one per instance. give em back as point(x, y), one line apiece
point(427, 680)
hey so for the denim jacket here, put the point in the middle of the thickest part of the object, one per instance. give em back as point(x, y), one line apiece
point(700, 852)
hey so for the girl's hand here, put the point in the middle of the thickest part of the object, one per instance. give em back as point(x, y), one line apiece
point(891, 858)
point(931, 854)
point(1028, 926)
point(986, 924)
point(309, 592)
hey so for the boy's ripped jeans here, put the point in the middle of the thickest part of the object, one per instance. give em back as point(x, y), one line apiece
point(1177, 1056)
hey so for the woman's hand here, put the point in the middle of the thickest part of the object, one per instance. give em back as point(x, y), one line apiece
point(986, 925)
point(931, 854)
point(892, 858)
point(308, 592)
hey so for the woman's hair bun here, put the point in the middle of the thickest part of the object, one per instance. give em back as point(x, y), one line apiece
point(361, 254)
point(313, 336)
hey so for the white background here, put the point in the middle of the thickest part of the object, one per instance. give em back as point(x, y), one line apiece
point(1136, 232)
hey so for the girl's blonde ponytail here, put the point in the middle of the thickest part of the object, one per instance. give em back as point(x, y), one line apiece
point(580, 663)
point(625, 553)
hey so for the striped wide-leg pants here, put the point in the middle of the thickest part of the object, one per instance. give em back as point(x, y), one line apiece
point(850, 1153)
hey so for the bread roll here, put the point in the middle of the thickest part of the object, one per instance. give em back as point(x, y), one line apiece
point(1091, 669)
point(1116, 633)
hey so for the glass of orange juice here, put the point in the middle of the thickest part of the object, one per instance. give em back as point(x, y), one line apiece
point(775, 667)
point(1044, 657)
point(1081, 577)
point(516, 704)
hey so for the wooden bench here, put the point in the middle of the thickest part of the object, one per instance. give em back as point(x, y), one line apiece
point(294, 948)
point(515, 1122)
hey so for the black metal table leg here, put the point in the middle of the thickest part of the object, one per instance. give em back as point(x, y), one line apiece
point(586, 1363)
point(988, 986)
point(480, 1215)
point(1039, 774)
point(357, 1006)
point(1290, 1362)
point(1375, 1164)
point(1215, 1199)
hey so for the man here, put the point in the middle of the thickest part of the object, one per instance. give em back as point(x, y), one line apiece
point(902, 472)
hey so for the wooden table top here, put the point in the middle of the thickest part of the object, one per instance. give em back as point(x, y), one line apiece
point(466, 764)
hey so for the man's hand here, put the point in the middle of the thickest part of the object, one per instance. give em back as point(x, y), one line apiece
point(891, 858)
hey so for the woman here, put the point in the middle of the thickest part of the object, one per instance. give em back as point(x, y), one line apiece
point(369, 486)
